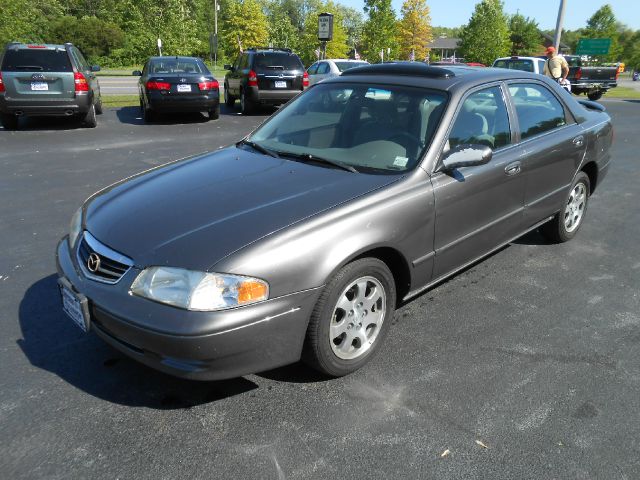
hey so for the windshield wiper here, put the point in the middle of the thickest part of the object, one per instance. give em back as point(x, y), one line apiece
point(258, 147)
point(314, 158)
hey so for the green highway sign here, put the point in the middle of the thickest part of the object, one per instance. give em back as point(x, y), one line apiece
point(593, 46)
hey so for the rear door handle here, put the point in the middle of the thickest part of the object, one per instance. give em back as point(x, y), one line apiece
point(512, 168)
point(578, 141)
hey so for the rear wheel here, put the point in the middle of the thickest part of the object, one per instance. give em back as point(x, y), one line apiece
point(567, 222)
point(99, 106)
point(595, 95)
point(147, 114)
point(214, 113)
point(90, 120)
point(246, 105)
point(229, 100)
point(351, 318)
point(9, 121)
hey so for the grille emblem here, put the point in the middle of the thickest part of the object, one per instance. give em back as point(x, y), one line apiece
point(93, 262)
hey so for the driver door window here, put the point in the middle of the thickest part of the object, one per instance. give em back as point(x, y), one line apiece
point(482, 120)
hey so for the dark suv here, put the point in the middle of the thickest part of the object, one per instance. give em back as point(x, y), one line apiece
point(47, 80)
point(267, 76)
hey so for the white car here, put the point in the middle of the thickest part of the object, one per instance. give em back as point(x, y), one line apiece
point(331, 68)
point(527, 64)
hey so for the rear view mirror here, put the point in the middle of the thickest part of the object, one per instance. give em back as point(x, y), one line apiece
point(136, 73)
point(95, 68)
point(228, 67)
point(466, 155)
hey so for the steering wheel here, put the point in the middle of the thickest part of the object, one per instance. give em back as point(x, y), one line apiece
point(414, 141)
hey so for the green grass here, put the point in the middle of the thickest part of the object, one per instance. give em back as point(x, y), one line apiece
point(623, 92)
point(109, 101)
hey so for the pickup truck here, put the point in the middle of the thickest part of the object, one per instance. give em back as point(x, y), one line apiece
point(593, 81)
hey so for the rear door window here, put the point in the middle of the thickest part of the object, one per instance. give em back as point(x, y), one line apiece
point(36, 60)
point(537, 108)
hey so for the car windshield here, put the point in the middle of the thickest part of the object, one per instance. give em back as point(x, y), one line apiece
point(39, 60)
point(371, 128)
point(342, 66)
point(173, 65)
point(524, 65)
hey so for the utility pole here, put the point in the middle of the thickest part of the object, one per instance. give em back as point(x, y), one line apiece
point(556, 39)
point(215, 32)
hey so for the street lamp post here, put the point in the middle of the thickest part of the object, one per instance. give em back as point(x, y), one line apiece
point(556, 39)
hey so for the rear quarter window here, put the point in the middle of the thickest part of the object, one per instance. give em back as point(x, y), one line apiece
point(36, 60)
point(524, 65)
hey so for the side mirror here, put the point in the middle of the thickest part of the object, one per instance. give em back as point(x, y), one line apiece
point(136, 73)
point(228, 67)
point(95, 68)
point(466, 155)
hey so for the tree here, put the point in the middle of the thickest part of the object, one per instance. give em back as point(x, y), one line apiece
point(282, 32)
point(602, 24)
point(246, 23)
point(27, 21)
point(379, 31)
point(93, 36)
point(524, 36)
point(414, 30)
point(486, 36)
point(353, 24)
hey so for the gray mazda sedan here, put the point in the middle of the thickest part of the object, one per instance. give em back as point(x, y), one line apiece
point(300, 240)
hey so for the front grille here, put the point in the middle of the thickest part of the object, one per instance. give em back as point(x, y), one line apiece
point(110, 265)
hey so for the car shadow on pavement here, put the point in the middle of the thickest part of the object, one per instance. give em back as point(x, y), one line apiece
point(53, 343)
point(49, 123)
point(133, 116)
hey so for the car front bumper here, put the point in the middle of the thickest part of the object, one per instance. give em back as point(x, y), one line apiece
point(45, 107)
point(193, 345)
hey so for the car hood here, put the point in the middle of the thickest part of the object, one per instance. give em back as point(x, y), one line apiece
point(193, 213)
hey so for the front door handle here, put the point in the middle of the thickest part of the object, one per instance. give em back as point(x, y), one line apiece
point(512, 168)
point(578, 141)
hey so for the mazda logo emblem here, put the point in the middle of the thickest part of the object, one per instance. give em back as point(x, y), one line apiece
point(93, 262)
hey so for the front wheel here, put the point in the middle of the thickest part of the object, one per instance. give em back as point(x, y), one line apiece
point(564, 226)
point(351, 318)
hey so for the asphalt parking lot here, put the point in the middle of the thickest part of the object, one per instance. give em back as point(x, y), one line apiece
point(524, 366)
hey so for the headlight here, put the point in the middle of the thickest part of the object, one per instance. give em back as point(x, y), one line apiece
point(201, 291)
point(75, 227)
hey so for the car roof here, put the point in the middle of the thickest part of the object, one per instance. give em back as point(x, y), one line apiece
point(452, 77)
point(36, 45)
point(173, 57)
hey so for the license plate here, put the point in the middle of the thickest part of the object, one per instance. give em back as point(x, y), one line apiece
point(280, 84)
point(184, 88)
point(39, 86)
point(75, 307)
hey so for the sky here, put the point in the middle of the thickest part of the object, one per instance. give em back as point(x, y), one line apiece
point(454, 13)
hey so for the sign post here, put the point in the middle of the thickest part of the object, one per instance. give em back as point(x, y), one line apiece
point(593, 46)
point(160, 46)
point(325, 31)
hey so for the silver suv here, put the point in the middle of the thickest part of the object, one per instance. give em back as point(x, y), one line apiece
point(47, 80)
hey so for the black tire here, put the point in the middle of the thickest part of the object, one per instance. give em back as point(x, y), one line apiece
point(9, 121)
point(595, 95)
point(556, 230)
point(147, 114)
point(319, 347)
point(99, 106)
point(246, 105)
point(229, 100)
point(214, 113)
point(90, 120)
